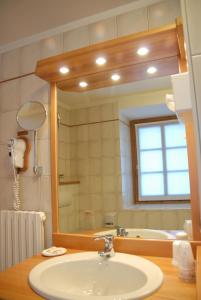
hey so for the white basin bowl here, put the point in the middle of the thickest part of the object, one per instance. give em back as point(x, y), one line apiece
point(141, 233)
point(86, 275)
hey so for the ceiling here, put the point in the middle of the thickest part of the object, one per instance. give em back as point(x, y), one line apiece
point(22, 18)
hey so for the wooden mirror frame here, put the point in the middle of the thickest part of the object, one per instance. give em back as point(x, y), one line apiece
point(128, 245)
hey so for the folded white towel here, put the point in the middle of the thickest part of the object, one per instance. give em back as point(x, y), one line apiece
point(184, 260)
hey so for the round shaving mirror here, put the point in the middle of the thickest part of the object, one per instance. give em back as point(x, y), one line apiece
point(31, 115)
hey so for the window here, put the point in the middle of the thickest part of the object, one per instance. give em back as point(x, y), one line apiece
point(160, 161)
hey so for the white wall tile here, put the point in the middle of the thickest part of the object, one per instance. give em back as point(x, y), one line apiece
point(102, 31)
point(139, 219)
point(95, 184)
point(193, 8)
point(77, 38)
point(94, 132)
point(108, 184)
point(33, 88)
point(51, 46)
point(6, 199)
point(107, 112)
point(85, 202)
point(169, 219)
point(163, 13)
point(82, 150)
point(9, 95)
point(109, 202)
point(30, 193)
point(132, 22)
point(83, 133)
point(48, 230)
point(94, 114)
point(124, 218)
point(84, 186)
point(94, 166)
point(96, 202)
point(45, 194)
point(154, 219)
point(6, 168)
point(108, 130)
point(108, 166)
point(44, 156)
point(95, 149)
point(79, 116)
point(108, 148)
point(29, 55)
point(83, 167)
point(10, 64)
point(8, 126)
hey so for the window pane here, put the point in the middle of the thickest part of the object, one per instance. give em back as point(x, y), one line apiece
point(152, 185)
point(151, 161)
point(176, 159)
point(175, 135)
point(178, 183)
point(149, 137)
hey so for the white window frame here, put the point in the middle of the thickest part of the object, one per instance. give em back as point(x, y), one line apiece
point(164, 172)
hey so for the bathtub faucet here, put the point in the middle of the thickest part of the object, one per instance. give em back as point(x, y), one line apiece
point(121, 231)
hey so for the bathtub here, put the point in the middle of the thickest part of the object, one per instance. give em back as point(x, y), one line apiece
point(141, 233)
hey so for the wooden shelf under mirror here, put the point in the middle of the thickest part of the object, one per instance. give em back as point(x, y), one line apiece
point(69, 182)
point(121, 56)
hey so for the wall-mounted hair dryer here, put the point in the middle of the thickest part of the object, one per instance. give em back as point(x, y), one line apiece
point(16, 150)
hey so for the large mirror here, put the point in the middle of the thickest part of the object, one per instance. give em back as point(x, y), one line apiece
point(119, 160)
point(122, 161)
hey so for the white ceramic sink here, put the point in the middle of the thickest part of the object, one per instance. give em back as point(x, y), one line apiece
point(86, 275)
point(141, 233)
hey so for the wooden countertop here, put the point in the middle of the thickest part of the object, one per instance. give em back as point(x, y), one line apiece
point(14, 281)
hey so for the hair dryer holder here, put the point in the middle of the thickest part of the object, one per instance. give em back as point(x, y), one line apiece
point(38, 170)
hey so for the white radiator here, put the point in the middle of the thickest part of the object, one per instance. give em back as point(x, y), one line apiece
point(21, 236)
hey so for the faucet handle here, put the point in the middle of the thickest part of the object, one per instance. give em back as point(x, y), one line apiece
point(121, 231)
point(108, 240)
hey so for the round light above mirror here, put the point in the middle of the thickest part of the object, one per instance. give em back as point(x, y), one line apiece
point(142, 51)
point(100, 61)
point(83, 84)
point(31, 115)
point(151, 70)
point(64, 70)
point(115, 77)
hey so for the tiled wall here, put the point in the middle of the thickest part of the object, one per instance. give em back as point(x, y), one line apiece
point(126, 164)
point(36, 191)
point(64, 144)
point(69, 208)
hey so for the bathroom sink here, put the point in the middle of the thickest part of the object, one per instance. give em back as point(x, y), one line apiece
point(141, 233)
point(87, 275)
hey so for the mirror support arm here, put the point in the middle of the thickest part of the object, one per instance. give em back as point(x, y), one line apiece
point(38, 170)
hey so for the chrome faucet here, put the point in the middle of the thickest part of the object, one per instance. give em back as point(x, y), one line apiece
point(121, 231)
point(108, 247)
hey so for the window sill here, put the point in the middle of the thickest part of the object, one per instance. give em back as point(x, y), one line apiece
point(161, 206)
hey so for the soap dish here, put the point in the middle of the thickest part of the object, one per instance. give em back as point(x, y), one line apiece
point(54, 251)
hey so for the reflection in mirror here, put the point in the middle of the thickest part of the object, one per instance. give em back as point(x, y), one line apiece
point(31, 115)
point(103, 181)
